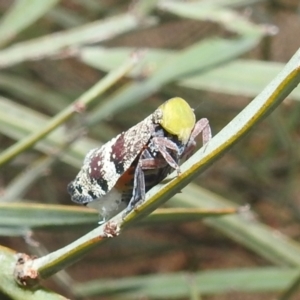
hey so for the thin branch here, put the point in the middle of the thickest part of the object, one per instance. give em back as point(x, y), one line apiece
point(77, 106)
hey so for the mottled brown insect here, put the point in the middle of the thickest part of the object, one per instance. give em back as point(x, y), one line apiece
point(119, 173)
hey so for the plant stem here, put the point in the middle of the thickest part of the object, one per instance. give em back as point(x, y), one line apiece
point(79, 104)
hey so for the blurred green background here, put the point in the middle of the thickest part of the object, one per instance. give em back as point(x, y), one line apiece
point(216, 54)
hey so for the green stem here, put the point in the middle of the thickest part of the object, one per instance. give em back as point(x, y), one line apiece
point(291, 290)
point(84, 100)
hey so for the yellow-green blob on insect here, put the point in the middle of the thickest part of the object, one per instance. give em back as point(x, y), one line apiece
point(178, 118)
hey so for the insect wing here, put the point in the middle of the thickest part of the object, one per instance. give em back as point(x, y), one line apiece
point(104, 166)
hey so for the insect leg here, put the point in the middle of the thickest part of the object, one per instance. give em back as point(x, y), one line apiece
point(149, 162)
point(146, 162)
point(202, 126)
point(162, 144)
point(139, 190)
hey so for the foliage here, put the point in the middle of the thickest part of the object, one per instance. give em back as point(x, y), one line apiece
point(72, 78)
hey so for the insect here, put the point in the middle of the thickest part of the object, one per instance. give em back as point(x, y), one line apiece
point(118, 174)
